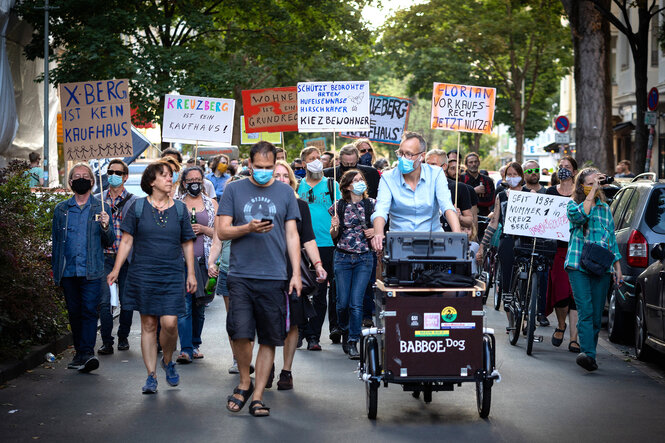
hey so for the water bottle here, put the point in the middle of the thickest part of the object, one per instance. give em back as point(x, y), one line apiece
point(49, 357)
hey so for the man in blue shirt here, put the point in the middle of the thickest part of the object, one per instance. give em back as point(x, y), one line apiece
point(412, 194)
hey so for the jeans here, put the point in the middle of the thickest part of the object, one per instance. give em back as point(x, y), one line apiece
point(105, 316)
point(190, 324)
point(368, 300)
point(590, 293)
point(313, 328)
point(82, 298)
point(352, 273)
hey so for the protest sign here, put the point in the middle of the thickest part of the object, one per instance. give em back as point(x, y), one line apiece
point(537, 215)
point(270, 110)
point(249, 139)
point(188, 118)
point(388, 117)
point(333, 106)
point(96, 119)
point(319, 143)
point(463, 108)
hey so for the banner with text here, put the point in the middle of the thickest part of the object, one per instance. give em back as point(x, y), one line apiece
point(270, 110)
point(203, 119)
point(388, 118)
point(333, 106)
point(249, 139)
point(318, 142)
point(96, 119)
point(463, 108)
point(537, 215)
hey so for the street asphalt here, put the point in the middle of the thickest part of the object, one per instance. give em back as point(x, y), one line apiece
point(545, 397)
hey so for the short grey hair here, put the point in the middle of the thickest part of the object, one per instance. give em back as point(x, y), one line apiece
point(349, 149)
point(439, 153)
point(409, 135)
point(530, 161)
point(81, 165)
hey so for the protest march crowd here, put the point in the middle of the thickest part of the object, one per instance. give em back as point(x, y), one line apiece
point(288, 243)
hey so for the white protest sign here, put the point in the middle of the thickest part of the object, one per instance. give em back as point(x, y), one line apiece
point(333, 106)
point(537, 215)
point(463, 108)
point(198, 119)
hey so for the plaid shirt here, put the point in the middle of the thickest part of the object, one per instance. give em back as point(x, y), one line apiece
point(117, 220)
point(600, 231)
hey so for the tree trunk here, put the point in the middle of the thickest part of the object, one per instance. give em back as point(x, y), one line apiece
point(519, 132)
point(641, 60)
point(591, 43)
point(237, 113)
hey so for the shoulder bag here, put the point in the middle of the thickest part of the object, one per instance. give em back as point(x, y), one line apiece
point(596, 259)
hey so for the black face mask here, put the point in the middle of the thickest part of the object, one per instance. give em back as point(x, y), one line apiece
point(193, 189)
point(343, 169)
point(81, 185)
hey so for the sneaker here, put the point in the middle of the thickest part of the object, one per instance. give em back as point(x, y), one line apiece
point(285, 382)
point(90, 364)
point(542, 320)
point(150, 386)
point(588, 363)
point(299, 345)
point(313, 344)
point(172, 377)
point(75, 363)
point(271, 377)
point(123, 344)
point(353, 351)
point(335, 336)
point(234, 368)
point(106, 349)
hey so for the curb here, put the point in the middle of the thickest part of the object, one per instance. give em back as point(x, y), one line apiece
point(13, 368)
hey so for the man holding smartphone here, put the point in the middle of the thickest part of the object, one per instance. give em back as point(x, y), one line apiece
point(259, 215)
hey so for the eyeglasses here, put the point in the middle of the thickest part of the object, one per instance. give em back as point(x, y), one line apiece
point(407, 155)
point(112, 172)
point(77, 176)
point(364, 151)
point(532, 171)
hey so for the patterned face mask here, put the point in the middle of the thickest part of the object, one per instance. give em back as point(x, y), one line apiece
point(564, 174)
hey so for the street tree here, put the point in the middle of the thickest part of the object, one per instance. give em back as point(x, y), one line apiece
point(638, 40)
point(520, 47)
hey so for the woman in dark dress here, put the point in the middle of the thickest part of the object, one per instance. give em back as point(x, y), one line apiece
point(159, 232)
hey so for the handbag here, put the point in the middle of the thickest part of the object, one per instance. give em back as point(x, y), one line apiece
point(307, 274)
point(301, 309)
point(596, 259)
point(200, 296)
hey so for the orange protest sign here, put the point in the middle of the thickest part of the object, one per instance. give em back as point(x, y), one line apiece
point(463, 108)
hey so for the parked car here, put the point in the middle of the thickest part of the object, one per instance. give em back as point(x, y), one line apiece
point(650, 302)
point(639, 219)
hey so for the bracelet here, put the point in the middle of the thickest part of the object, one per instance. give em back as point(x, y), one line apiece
point(316, 263)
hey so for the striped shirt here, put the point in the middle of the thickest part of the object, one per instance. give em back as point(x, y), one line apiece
point(600, 231)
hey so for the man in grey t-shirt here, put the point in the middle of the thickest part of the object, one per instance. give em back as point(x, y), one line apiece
point(259, 214)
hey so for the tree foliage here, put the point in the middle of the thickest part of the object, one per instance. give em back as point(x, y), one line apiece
point(507, 44)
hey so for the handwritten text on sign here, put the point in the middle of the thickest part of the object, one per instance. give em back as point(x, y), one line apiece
point(96, 119)
point(537, 215)
point(388, 116)
point(198, 119)
point(333, 106)
point(270, 110)
point(463, 108)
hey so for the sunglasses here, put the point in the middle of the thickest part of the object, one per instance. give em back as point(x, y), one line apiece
point(298, 168)
point(112, 172)
point(532, 171)
point(310, 196)
point(363, 151)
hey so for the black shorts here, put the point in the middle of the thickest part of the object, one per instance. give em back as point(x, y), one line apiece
point(257, 308)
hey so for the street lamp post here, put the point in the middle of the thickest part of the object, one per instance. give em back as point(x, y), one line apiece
point(46, 9)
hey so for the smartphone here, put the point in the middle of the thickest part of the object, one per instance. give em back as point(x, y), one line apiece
point(269, 220)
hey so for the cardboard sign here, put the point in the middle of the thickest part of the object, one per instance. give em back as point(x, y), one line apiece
point(333, 106)
point(319, 143)
point(198, 119)
point(96, 119)
point(463, 108)
point(537, 215)
point(249, 139)
point(270, 110)
point(388, 117)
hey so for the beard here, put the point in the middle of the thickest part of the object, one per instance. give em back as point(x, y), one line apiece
point(315, 175)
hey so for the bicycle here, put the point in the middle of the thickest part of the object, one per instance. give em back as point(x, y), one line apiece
point(532, 258)
point(492, 276)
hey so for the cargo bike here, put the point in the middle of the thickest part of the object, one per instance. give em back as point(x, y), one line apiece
point(429, 334)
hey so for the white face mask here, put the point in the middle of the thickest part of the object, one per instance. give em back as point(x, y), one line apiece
point(513, 182)
point(315, 166)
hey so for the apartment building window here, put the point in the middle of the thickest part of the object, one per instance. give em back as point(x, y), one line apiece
point(625, 53)
point(655, 28)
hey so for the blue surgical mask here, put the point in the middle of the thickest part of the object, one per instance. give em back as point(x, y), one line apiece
point(404, 165)
point(115, 180)
point(300, 173)
point(262, 176)
point(359, 188)
point(175, 176)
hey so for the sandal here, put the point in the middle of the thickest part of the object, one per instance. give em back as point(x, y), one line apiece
point(197, 353)
point(258, 405)
point(183, 358)
point(574, 349)
point(557, 341)
point(245, 393)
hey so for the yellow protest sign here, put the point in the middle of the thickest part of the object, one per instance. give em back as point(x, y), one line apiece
point(249, 139)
